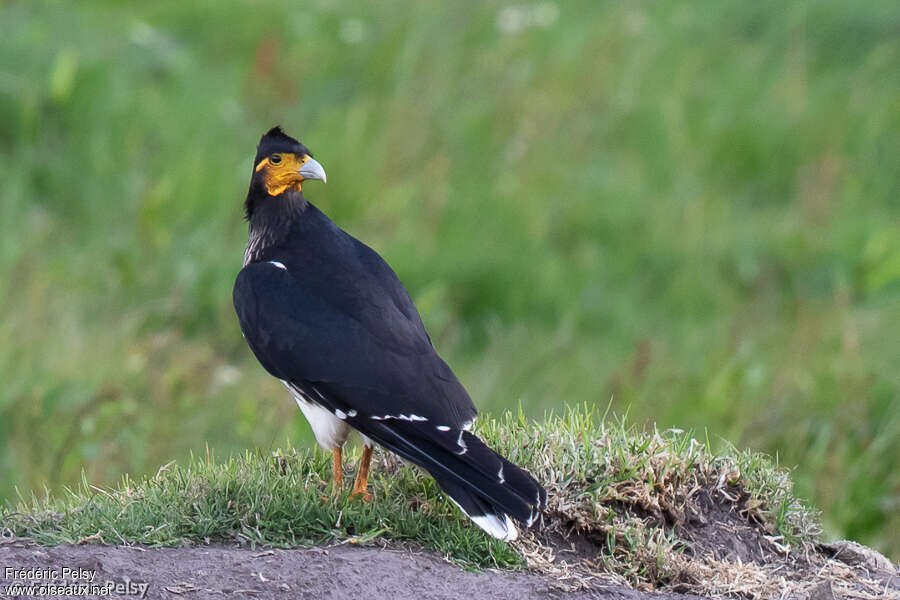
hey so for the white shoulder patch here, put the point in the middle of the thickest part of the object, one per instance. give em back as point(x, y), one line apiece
point(278, 264)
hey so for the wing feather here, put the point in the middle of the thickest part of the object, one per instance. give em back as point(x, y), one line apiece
point(369, 361)
point(300, 335)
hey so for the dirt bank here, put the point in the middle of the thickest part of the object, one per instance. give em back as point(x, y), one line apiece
point(334, 573)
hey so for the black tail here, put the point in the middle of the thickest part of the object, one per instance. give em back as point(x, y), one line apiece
point(486, 487)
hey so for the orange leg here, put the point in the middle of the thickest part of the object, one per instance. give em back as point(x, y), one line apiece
point(362, 476)
point(337, 471)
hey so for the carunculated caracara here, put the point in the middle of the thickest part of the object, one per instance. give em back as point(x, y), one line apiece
point(326, 315)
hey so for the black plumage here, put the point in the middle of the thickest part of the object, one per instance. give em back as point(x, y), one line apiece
point(324, 313)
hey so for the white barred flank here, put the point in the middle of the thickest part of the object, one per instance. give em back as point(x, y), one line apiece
point(399, 417)
point(462, 443)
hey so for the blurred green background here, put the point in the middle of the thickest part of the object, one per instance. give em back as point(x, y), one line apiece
point(690, 208)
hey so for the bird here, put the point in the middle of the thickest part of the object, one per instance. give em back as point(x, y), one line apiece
point(326, 315)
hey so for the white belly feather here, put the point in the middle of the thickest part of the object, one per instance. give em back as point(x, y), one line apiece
point(330, 431)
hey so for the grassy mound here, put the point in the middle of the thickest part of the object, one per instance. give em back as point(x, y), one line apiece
point(647, 508)
point(691, 207)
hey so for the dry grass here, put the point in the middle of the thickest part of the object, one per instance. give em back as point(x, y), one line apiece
point(661, 511)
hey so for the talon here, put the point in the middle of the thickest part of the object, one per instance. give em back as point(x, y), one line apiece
point(366, 496)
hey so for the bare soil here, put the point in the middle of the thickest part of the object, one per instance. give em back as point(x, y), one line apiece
point(334, 573)
point(723, 552)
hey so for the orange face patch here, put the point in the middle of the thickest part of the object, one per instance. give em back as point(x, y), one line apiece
point(281, 172)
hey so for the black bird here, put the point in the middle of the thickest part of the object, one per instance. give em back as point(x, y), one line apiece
point(326, 315)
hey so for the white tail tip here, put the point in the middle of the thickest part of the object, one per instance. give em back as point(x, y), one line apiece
point(502, 529)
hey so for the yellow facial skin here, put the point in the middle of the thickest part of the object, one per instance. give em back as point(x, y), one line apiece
point(281, 172)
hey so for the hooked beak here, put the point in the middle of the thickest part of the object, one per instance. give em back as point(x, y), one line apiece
point(311, 169)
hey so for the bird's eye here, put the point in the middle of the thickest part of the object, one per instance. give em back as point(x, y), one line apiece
point(275, 159)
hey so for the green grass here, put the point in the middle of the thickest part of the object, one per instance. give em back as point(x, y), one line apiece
point(602, 477)
point(691, 209)
point(279, 500)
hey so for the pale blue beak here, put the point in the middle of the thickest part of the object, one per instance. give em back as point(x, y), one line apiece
point(311, 169)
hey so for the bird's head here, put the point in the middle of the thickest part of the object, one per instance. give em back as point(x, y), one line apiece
point(281, 165)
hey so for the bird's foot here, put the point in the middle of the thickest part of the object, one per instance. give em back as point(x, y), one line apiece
point(366, 496)
point(362, 476)
point(337, 474)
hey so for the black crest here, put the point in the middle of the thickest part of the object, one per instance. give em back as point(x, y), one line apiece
point(276, 140)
